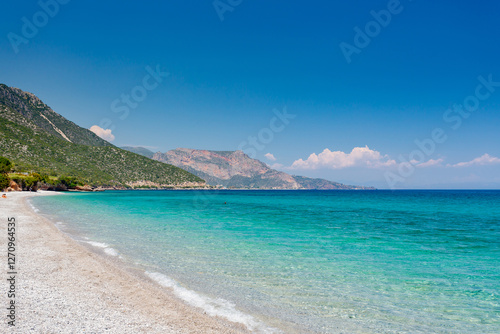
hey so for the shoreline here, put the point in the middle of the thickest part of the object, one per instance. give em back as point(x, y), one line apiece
point(64, 287)
point(218, 189)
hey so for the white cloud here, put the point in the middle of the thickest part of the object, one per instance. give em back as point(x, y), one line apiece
point(104, 134)
point(270, 156)
point(483, 160)
point(359, 157)
point(431, 163)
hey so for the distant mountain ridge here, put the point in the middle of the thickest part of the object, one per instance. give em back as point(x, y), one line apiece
point(235, 169)
point(139, 150)
point(36, 138)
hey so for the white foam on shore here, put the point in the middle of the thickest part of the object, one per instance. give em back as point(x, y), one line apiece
point(98, 244)
point(107, 249)
point(33, 207)
point(59, 225)
point(213, 307)
point(111, 251)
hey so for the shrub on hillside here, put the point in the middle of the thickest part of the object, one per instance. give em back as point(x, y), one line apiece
point(70, 182)
point(5, 165)
point(4, 181)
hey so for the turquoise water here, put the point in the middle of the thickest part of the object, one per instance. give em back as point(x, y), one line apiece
point(307, 261)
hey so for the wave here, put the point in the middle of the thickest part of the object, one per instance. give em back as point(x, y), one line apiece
point(111, 251)
point(107, 249)
point(33, 207)
point(97, 244)
point(213, 307)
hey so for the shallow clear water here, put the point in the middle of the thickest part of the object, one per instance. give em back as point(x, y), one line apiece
point(318, 261)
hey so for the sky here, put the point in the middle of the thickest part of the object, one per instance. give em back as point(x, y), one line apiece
point(391, 94)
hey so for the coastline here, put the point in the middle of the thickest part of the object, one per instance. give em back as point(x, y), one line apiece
point(64, 287)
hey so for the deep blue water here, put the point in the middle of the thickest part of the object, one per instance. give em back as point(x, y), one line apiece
point(313, 261)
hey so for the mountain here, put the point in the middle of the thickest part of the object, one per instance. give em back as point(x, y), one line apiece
point(314, 183)
point(36, 138)
point(235, 169)
point(139, 150)
point(33, 113)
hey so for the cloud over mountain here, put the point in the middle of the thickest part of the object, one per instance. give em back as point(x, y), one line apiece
point(358, 157)
point(103, 133)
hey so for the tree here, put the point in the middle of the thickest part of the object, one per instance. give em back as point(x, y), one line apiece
point(69, 181)
point(30, 182)
point(44, 178)
point(5, 165)
point(4, 181)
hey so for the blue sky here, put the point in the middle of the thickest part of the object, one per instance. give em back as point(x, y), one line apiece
point(225, 78)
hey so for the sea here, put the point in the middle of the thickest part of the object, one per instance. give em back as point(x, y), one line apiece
point(406, 261)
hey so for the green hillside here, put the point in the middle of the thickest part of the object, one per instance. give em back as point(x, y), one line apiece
point(33, 143)
point(38, 114)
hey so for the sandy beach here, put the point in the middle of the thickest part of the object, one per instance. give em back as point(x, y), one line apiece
point(62, 287)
